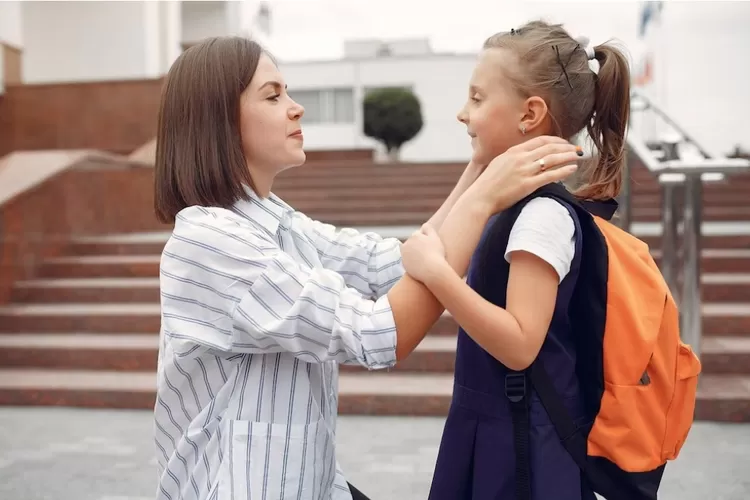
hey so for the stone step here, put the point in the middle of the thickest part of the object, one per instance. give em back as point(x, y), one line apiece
point(710, 213)
point(717, 287)
point(101, 266)
point(726, 260)
point(723, 198)
point(141, 243)
point(720, 397)
point(91, 290)
point(721, 319)
point(718, 242)
point(726, 355)
point(66, 318)
point(715, 205)
point(139, 352)
point(80, 351)
point(402, 192)
point(332, 178)
point(110, 318)
point(138, 244)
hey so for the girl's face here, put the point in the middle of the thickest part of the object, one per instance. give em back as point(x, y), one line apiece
point(269, 125)
point(495, 112)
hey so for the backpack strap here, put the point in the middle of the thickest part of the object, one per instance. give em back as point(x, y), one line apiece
point(516, 390)
point(572, 439)
point(518, 384)
point(570, 435)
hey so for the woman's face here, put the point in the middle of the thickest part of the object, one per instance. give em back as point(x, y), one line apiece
point(270, 125)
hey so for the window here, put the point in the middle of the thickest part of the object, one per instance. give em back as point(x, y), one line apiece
point(370, 89)
point(326, 105)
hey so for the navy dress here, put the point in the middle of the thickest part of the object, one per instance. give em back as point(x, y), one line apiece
point(476, 460)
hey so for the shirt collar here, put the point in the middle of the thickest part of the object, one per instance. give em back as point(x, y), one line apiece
point(267, 212)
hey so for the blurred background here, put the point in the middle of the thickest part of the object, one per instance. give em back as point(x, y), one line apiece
point(79, 245)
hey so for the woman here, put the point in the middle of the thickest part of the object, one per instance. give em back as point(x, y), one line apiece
point(260, 303)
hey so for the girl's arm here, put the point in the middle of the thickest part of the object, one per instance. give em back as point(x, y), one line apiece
point(540, 251)
point(509, 178)
point(513, 335)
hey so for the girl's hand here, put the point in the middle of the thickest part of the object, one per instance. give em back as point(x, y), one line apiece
point(423, 253)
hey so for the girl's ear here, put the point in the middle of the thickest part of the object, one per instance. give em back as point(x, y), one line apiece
point(534, 114)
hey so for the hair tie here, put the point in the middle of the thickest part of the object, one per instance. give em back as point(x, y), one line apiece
point(583, 41)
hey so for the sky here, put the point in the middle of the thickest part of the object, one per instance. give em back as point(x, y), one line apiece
point(315, 29)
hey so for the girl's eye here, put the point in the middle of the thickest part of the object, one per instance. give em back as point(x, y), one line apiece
point(474, 98)
point(274, 97)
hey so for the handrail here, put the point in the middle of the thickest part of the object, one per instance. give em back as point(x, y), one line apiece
point(649, 104)
point(690, 175)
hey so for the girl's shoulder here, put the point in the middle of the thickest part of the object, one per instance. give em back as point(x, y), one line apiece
point(546, 229)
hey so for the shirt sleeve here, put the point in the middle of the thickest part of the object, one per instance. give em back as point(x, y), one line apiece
point(545, 228)
point(227, 286)
point(367, 262)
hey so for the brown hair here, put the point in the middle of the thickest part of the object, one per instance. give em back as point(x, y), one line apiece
point(554, 66)
point(199, 159)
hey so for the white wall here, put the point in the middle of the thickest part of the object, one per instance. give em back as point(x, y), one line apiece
point(440, 83)
point(707, 53)
point(10, 32)
point(203, 19)
point(83, 41)
point(10, 23)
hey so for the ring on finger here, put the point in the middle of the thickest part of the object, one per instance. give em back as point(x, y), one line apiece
point(541, 163)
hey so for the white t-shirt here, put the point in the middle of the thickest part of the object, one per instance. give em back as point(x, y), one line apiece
point(546, 229)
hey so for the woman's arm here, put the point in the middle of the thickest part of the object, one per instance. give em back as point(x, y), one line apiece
point(469, 175)
point(227, 285)
point(368, 262)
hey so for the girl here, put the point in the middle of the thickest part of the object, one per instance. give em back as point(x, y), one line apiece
point(259, 303)
point(532, 81)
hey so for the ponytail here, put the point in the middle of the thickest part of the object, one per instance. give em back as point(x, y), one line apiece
point(609, 124)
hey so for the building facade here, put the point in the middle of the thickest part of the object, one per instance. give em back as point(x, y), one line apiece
point(694, 62)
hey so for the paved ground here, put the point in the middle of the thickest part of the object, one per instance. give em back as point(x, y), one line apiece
point(66, 454)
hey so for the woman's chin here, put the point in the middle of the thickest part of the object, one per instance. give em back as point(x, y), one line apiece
point(296, 159)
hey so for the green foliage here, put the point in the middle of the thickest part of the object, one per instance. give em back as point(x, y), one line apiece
point(393, 116)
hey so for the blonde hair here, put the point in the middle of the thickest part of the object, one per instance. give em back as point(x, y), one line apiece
point(554, 66)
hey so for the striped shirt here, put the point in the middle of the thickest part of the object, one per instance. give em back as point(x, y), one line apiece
point(259, 305)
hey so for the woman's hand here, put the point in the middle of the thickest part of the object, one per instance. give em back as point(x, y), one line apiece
point(523, 169)
point(423, 253)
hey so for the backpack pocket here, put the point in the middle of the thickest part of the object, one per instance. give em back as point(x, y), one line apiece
point(681, 411)
point(629, 429)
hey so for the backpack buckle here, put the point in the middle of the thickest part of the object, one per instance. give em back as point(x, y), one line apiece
point(515, 387)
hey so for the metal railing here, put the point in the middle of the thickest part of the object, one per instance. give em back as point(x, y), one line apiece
point(687, 176)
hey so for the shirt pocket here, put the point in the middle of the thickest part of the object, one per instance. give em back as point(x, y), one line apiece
point(270, 461)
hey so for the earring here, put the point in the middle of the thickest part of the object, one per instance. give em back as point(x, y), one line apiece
point(523, 129)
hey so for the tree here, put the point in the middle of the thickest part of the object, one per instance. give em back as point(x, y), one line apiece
point(393, 116)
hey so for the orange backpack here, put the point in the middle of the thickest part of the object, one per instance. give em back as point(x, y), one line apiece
point(639, 380)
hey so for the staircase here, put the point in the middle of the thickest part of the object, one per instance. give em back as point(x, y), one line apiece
point(84, 330)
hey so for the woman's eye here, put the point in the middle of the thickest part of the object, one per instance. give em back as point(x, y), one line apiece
point(274, 97)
